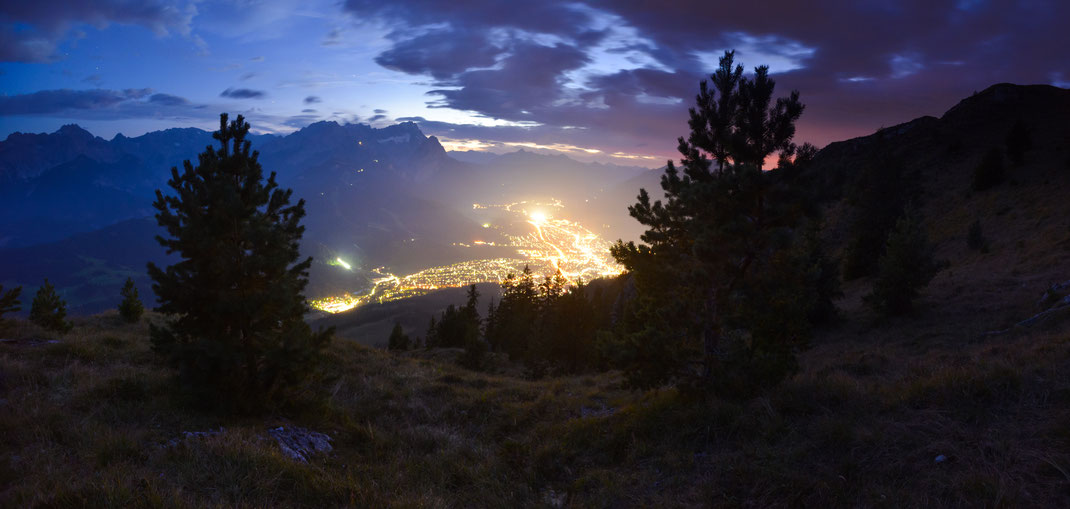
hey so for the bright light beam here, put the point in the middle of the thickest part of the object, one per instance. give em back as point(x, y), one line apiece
point(343, 264)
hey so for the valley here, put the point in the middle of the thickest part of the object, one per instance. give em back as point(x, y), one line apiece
point(539, 233)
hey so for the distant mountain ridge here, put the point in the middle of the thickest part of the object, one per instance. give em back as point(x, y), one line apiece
point(375, 196)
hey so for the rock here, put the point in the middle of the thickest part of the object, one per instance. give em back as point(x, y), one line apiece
point(300, 443)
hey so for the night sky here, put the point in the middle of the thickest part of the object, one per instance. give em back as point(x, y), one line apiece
point(608, 81)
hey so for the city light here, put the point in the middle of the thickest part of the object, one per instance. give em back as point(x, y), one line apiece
point(553, 244)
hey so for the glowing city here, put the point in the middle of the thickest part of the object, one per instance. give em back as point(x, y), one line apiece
point(553, 243)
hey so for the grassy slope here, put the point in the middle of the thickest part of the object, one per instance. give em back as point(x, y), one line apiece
point(82, 421)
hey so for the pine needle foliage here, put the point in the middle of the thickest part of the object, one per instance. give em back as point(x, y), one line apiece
point(9, 303)
point(49, 310)
point(130, 309)
point(236, 331)
point(398, 341)
point(906, 267)
point(724, 293)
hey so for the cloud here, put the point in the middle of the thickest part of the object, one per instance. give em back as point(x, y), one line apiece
point(31, 31)
point(625, 73)
point(243, 93)
point(377, 118)
point(248, 76)
point(46, 102)
point(168, 100)
point(257, 59)
point(308, 110)
point(442, 53)
point(378, 111)
point(103, 104)
point(528, 81)
point(312, 99)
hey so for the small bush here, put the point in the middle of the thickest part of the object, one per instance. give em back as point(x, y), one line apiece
point(48, 310)
point(9, 303)
point(130, 309)
point(398, 339)
point(990, 172)
point(906, 266)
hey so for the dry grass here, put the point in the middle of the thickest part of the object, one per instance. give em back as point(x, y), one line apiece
point(82, 423)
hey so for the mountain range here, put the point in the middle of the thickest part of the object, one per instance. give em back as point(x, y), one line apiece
point(375, 196)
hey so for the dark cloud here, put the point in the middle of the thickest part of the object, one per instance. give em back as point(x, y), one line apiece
point(248, 76)
point(858, 65)
point(308, 110)
point(377, 118)
point(47, 102)
point(528, 81)
point(312, 99)
point(168, 100)
point(243, 93)
point(30, 31)
point(93, 78)
point(442, 53)
point(378, 111)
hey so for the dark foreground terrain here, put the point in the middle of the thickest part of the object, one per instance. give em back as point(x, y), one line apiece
point(896, 419)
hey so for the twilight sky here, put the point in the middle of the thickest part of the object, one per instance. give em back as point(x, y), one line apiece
point(608, 80)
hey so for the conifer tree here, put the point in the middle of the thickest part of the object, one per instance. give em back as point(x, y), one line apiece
point(236, 330)
point(130, 309)
point(398, 339)
point(431, 338)
point(515, 316)
point(723, 227)
point(906, 266)
point(9, 303)
point(49, 310)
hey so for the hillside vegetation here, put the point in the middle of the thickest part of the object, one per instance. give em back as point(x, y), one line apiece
point(84, 422)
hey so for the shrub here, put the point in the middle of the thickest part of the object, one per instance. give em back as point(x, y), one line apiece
point(130, 309)
point(398, 339)
point(9, 303)
point(906, 266)
point(49, 310)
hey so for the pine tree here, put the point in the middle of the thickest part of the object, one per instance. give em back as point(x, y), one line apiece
point(398, 339)
point(431, 338)
point(49, 310)
point(130, 309)
point(906, 266)
point(515, 316)
point(236, 330)
point(9, 303)
point(708, 248)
